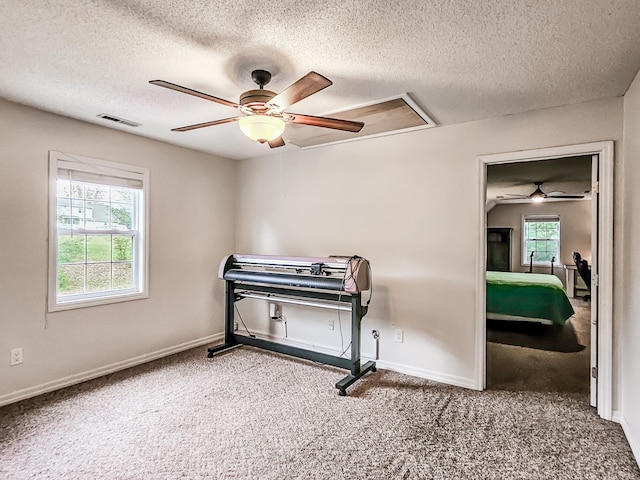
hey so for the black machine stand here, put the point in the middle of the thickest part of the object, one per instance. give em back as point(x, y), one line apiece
point(233, 293)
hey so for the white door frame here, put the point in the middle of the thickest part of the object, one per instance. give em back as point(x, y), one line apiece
point(605, 258)
point(593, 291)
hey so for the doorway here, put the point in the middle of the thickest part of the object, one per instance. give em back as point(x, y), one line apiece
point(602, 237)
point(528, 242)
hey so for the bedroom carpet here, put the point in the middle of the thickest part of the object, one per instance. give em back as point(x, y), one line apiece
point(250, 414)
point(541, 358)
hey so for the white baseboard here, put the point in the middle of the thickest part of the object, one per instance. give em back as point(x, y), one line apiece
point(395, 367)
point(631, 438)
point(114, 367)
point(428, 374)
point(100, 371)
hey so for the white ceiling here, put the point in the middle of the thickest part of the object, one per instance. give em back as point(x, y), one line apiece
point(459, 60)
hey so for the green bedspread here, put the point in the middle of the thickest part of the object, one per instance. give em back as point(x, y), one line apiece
point(527, 295)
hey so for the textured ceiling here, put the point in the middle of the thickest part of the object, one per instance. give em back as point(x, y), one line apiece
point(459, 60)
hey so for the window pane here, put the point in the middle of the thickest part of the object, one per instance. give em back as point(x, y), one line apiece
point(64, 188)
point(77, 190)
point(122, 248)
point(549, 230)
point(122, 275)
point(541, 246)
point(543, 256)
point(97, 215)
point(63, 212)
point(69, 189)
point(530, 247)
point(69, 212)
point(121, 216)
point(70, 279)
point(71, 249)
point(98, 277)
point(98, 193)
point(98, 248)
point(122, 195)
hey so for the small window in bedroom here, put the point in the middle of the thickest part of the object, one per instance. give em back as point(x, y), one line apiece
point(97, 232)
point(541, 235)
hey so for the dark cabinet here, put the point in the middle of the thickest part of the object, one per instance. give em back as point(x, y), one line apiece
point(499, 249)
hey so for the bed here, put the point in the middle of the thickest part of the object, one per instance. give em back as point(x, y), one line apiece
point(528, 297)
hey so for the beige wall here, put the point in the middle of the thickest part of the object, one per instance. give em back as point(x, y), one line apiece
point(191, 228)
point(410, 204)
point(575, 230)
point(630, 327)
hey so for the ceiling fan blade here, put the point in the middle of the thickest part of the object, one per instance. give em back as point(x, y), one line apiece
point(275, 143)
point(565, 196)
point(335, 123)
point(195, 93)
point(205, 124)
point(311, 83)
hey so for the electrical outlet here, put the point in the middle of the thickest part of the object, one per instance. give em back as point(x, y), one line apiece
point(332, 324)
point(16, 356)
point(399, 336)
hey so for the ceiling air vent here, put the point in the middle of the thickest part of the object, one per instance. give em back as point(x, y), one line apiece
point(113, 118)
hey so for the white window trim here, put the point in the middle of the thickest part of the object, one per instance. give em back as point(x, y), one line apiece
point(56, 158)
point(524, 257)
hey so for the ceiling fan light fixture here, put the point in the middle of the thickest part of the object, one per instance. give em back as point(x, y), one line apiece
point(262, 128)
point(538, 195)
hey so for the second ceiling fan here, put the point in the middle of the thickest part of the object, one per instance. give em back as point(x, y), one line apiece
point(538, 195)
point(262, 116)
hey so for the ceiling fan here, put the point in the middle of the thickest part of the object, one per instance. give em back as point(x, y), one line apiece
point(262, 116)
point(538, 195)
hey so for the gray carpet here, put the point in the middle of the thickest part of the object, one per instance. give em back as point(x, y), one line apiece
point(249, 414)
point(541, 358)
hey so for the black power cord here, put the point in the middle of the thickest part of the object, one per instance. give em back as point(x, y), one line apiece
point(243, 324)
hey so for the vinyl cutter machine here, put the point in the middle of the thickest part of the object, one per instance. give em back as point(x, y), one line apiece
point(333, 282)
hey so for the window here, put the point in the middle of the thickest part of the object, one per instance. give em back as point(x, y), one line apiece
point(541, 235)
point(97, 232)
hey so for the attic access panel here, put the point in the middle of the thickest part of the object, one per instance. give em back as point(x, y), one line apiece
point(395, 115)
